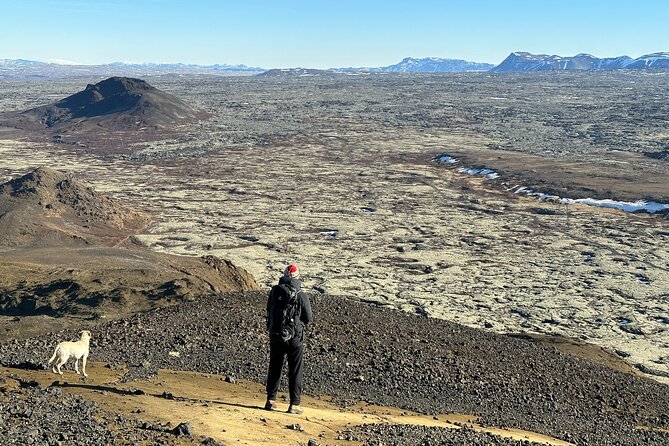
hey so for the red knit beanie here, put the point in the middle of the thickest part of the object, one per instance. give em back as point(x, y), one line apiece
point(291, 271)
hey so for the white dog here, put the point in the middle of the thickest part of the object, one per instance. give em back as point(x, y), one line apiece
point(78, 350)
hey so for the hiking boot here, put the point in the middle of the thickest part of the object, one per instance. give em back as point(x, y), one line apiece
point(295, 409)
point(270, 405)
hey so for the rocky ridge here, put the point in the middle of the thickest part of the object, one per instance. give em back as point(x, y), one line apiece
point(68, 250)
point(47, 207)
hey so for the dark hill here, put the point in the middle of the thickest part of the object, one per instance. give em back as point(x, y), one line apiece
point(115, 103)
point(47, 207)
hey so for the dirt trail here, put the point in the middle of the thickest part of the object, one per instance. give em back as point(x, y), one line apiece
point(232, 412)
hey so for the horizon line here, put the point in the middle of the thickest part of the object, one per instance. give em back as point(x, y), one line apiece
point(65, 62)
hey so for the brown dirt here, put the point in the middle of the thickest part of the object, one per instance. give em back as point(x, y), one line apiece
point(101, 282)
point(69, 251)
point(233, 414)
point(47, 207)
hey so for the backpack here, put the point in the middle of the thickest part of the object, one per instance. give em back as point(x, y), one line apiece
point(284, 312)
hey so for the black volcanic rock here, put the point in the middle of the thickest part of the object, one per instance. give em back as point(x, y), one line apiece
point(115, 103)
point(49, 416)
point(113, 95)
point(428, 365)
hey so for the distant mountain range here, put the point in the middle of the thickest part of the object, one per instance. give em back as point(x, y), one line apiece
point(520, 61)
point(407, 65)
point(424, 65)
point(515, 62)
point(27, 69)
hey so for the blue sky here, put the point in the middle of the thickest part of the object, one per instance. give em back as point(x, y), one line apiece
point(325, 33)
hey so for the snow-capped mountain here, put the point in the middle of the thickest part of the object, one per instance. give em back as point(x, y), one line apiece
point(515, 62)
point(655, 61)
point(423, 65)
point(435, 65)
point(522, 61)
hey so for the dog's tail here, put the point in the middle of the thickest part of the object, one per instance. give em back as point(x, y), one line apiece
point(55, 353)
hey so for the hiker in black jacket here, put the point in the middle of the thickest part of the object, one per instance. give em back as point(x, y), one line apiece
point(288, 312)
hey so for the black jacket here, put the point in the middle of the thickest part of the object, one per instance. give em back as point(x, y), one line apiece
point(306, 316)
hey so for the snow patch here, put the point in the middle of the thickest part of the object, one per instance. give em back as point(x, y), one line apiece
point(447, 159)
point(488, 173)
point(650, 207)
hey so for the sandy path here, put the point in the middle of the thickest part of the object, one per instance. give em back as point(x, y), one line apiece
point(232, 412)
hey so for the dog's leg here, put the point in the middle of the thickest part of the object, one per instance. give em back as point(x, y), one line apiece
point(60, 363)
point(83, 365)
point(76, 365)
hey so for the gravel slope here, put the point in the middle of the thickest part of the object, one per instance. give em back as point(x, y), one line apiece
point(403, 435)
point(360, 352)
point(30, 415)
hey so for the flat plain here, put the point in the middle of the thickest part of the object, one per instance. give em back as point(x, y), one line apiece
point(338, 174)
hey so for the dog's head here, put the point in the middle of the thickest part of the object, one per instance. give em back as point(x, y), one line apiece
point(85, 334)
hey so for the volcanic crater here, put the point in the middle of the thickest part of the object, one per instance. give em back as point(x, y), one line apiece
point(104, 111)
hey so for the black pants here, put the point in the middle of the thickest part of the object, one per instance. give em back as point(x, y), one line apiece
point(278, 350)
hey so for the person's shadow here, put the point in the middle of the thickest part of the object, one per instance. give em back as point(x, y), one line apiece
point(164, 395)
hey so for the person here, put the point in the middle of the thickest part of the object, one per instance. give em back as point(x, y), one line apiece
point(286, 336)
